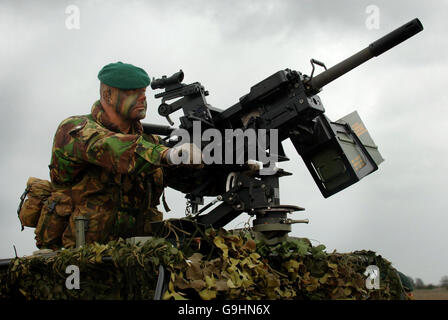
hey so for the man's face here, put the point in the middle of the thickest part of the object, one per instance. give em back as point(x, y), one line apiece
point(130, 104)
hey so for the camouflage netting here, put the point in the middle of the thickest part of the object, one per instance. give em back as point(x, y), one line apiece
point(219, 265)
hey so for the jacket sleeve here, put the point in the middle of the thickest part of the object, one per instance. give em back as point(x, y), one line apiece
point(119, 153)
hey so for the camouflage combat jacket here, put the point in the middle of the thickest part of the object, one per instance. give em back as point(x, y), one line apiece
point(113, 179)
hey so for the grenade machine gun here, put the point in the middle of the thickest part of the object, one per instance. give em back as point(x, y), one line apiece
point(337, 154)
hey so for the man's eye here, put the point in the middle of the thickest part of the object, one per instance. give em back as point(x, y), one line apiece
point(134, 91)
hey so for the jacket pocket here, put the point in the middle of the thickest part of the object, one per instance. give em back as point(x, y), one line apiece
point(36, 193)
point(53, 220)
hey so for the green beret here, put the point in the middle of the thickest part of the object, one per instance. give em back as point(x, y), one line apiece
point(124, 76)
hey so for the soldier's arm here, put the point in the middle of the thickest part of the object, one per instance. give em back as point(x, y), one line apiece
point(120, 153)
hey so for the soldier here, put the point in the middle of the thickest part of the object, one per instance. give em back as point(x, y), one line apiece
point(104, 167)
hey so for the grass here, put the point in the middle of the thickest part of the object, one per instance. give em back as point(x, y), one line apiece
point(431, 294)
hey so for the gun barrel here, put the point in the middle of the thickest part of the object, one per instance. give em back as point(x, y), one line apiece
point(150, 128)
point(376, 48)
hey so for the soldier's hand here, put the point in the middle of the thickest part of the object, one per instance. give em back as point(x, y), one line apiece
point(253, 167)
point(187, 154)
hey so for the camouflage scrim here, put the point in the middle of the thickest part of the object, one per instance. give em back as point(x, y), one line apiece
point(112, 178)
point(226, 266)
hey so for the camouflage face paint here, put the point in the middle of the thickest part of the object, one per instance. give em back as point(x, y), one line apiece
point(139, 111)
point(127, 105)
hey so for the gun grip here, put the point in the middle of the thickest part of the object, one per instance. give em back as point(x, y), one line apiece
point(169, 120)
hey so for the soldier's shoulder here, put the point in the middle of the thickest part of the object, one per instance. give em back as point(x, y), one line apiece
point(75, 123)
point(74, 120)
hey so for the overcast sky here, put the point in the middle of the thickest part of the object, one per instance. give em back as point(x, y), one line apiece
point(49, 72)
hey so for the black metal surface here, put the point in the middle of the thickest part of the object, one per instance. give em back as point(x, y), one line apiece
point(150, 128)
point(219, 216)
point(324, 78)
point(251, 194)
point(396, 37)
point(165, 81)
point(4, 263)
